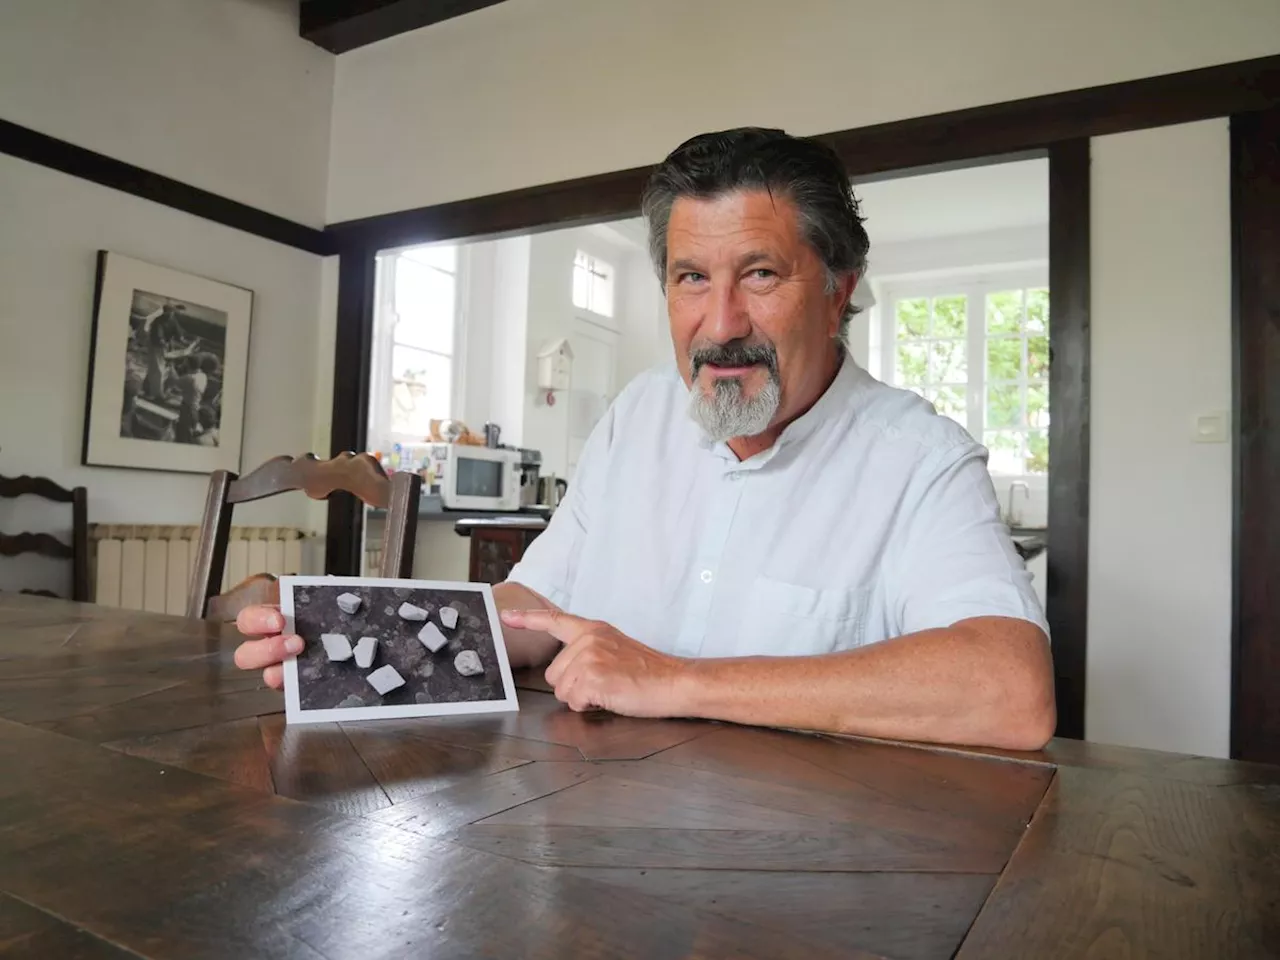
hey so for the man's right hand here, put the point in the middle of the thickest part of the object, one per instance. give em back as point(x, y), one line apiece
point(267, 647)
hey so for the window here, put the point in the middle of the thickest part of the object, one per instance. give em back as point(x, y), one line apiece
point(978, 350)
point(417, 325)
point(592, 285)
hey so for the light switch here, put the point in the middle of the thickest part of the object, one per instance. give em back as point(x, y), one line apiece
point(1210, 428)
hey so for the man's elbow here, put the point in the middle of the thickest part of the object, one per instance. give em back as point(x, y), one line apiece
point(1031, 714)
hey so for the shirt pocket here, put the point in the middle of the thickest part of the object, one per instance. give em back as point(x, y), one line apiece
point(786, 619)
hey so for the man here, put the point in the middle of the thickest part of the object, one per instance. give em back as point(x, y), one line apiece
point(768, 535)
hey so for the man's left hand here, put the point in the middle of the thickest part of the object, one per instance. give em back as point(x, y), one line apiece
point(602, 668)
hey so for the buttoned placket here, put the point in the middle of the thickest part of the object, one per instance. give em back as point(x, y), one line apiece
point(705, 569)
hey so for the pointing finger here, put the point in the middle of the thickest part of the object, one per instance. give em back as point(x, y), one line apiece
point(565, 627)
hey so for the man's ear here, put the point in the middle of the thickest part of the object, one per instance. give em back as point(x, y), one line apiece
point(841, 296)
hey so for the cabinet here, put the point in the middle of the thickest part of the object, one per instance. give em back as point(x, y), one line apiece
point(496, 549)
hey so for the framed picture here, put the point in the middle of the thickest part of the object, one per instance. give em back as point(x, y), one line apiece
point(167, 369)
point(381, 649)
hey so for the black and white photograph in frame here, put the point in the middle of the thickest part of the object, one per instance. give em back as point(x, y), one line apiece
point(384, 649)
point(167, 369)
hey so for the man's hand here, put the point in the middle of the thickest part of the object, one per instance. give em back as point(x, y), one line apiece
point(270, 648)
point(602, 668)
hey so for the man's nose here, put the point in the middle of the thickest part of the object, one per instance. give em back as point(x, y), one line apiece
point(727, 317)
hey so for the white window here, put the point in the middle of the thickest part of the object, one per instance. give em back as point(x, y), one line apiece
point(416, 334)
point(592, 284)
point(978, 349)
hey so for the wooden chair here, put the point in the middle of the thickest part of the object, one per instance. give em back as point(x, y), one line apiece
point(77, 551)
point(360, 475)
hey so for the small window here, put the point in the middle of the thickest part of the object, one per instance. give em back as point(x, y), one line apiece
point(592, 285)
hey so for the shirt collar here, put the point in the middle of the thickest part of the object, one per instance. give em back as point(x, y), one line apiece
point(838, 395)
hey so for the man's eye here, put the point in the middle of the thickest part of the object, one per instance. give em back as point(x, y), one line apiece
point(691, 276)
point(763, 273)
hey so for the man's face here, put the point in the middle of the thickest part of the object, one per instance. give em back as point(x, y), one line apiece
point(751, 319)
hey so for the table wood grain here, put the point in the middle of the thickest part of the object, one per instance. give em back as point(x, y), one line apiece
point(155, 804)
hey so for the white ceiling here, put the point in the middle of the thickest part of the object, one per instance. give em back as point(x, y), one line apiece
point(975, 200)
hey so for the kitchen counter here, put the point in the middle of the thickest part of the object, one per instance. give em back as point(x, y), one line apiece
point(431, 510)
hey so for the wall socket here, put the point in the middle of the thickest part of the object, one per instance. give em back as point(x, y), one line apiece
point(1211, 427)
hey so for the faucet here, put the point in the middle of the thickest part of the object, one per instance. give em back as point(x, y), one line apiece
point(1011, 518)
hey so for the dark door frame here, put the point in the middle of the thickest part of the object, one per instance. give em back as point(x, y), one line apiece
point(1059, 126)
point(1255, 340)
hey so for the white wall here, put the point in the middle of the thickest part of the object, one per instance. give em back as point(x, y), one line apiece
point(52, 228)
point(535, 91)
point(224, 95)
point(1160, 505)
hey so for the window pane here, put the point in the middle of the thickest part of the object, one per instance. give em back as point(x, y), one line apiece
point(1038, 310)
point(1004, 312)
point(1004, 407)
point(601, 299)
point(1037, 357)
point(1037, 458)
point(442, 256)
point(1005, 447)
point(913, 318)
point(1004, 359)
point(1038, 405)
point(913, 360)
point(949, 363)
point(950, 402)
point(581, 283)
point(424, 306)
point(949, 316)
point(420, 392)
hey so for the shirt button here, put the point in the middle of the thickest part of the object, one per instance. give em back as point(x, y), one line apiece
point(706, 576)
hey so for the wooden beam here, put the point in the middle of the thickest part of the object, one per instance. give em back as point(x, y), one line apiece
point(342, 25)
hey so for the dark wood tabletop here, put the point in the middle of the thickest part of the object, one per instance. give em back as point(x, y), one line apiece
point(154, 804)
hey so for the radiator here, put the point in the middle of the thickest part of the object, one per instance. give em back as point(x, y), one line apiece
point(148, 567)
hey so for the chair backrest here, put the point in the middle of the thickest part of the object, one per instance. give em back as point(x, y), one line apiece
point(77, 551)
point(360, 475)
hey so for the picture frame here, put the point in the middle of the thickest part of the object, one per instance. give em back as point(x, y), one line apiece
point(168, 368)
point(438, 665)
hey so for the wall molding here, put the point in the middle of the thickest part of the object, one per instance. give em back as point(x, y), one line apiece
point(46, 151)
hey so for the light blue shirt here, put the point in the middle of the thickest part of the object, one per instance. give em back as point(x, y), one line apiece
point(871, 517)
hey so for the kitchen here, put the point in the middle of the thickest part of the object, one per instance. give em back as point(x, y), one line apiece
point(492, 362)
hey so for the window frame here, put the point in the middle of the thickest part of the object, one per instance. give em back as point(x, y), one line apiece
point(974, 285)
point(610, 278)
point(382, 379)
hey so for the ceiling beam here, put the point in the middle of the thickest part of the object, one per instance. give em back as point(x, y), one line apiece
point(342, 25)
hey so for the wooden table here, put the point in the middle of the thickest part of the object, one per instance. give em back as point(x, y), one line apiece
point(153, 804)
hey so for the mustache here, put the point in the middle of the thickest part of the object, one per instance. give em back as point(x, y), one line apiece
point(736, 353)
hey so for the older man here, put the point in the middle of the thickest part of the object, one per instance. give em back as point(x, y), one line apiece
point(766, 534)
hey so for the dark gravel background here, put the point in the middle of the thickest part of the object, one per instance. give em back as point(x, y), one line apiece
point(429, 678)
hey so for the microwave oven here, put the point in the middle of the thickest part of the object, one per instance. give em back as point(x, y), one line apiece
point(476, 478)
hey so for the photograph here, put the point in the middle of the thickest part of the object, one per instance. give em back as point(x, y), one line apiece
point(379, 648)
point(168, 367)
point(173, 385)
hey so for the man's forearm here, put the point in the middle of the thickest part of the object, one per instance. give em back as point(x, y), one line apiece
point(987, 682)
point(525, 648)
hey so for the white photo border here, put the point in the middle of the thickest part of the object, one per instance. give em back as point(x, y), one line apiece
point(292, 699)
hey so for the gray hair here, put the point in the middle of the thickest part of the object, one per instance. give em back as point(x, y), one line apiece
point(807, 172)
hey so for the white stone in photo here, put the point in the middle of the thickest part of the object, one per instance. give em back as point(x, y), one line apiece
point(366, 650)
point(348, 602)
point(468, 663)
point(337, 646)
point(408, 611)
point(448, 617)
point(432, 638)
point(385, 679)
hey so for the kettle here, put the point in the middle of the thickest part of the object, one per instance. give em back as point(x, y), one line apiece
point(551, 490)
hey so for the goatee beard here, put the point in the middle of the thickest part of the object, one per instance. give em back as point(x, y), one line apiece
point(727, 412)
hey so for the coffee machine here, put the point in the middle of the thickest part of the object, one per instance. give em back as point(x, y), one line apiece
point(530, 468)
